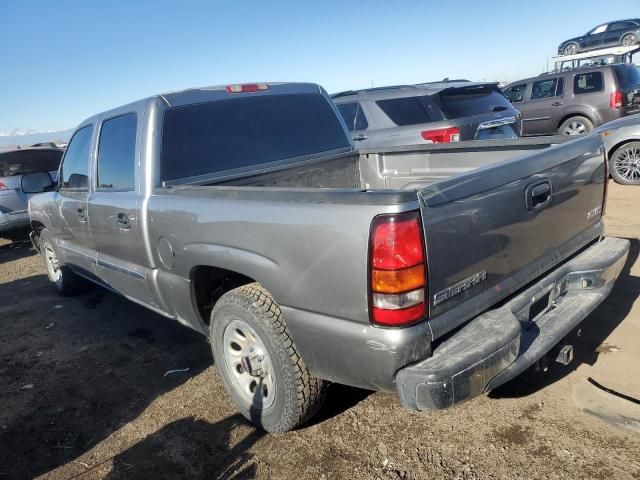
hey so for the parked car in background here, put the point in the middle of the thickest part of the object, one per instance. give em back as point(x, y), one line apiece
point(440, 112)
point(619, 33)
point(574, 102)
point(622, 144)
point(23, 173)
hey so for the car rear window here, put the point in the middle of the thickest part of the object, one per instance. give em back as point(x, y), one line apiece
point(28, 161)
point(409, 110)
point(587, 83)
point(467, 102)
point(211, 137)
point(628, 76)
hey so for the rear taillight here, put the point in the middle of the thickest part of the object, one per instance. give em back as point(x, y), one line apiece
point(397, 272)
point(615, 101)
point(3, 186)
point(442, 135)
point(247, 88)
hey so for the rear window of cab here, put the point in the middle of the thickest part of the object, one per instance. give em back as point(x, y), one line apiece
point(207, 138)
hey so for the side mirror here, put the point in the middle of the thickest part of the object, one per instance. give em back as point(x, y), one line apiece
point(37, 182)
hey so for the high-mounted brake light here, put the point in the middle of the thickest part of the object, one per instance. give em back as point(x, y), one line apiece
point(397, 272)
point(3, 186)
point(247, 88)
point(442, 135)
point(615, 101)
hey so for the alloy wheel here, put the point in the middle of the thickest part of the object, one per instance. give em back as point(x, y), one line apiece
point(627, 164)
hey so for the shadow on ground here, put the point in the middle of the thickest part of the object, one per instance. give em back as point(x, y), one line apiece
point(14, 246)
point(74, 370)
point(190, 448)
point(594, 331)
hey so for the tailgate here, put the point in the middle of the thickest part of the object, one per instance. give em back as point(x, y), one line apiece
point(491, 231)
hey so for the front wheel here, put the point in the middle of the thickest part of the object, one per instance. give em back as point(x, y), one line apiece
point(624, 165)
point(629, 40)
point(67, 283)
point(575, 126)
point(258, 362)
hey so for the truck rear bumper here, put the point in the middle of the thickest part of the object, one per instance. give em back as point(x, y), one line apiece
point(502, 343)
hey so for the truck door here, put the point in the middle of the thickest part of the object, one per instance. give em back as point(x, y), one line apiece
point(542, 107)
point(70, 224)
point(113, 210)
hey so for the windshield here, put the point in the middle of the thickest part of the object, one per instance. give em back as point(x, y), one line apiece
point(27, 161)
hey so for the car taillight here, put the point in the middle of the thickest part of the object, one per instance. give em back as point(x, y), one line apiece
point(247, 88)
point(615, 101)
point(3, 186)
point(442, 135)
point(397, 272)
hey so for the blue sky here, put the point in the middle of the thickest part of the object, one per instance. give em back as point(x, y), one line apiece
point(63, 61)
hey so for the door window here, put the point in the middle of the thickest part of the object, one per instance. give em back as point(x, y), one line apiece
point(75, 165)
point(353, 116)
point(597, 30)
point(621, 25)
point(544, 88)
point(116, 153)
point(587, 83)
point(515, 93)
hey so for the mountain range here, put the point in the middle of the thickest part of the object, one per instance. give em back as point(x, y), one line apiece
point(25, 137)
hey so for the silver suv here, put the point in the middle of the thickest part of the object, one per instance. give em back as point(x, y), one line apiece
point(447, 111)
point(23, 173)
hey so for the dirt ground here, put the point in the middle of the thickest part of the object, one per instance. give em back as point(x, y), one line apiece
point(83, 394)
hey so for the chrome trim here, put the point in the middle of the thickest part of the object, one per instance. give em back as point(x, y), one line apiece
point(534, 119)
point(117, 268)
point(497, 123)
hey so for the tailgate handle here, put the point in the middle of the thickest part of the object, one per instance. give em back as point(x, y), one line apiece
point(538, 195)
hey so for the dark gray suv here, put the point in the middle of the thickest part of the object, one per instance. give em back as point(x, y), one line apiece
point(575, 101)
point(441, 112)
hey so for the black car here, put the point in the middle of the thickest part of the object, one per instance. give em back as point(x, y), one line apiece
point(619, 33)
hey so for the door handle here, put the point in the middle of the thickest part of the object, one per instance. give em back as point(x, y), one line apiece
point(82, 215)
point(556, 104)
point(538, 195)
point(359, 138)
point(123, 221)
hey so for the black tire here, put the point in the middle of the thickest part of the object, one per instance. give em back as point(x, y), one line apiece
point(297, 396)
point(578, 124)
point(67, 283)
point(571, 49)
point(629, 40)
point(624, 164)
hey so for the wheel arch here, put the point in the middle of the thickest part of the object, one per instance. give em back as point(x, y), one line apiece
point(209, 283)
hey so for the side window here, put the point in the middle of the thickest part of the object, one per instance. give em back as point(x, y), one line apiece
point(406, 110)
point(544, 88)
point(75, 165)
point(587, 83)
point(117, 152)
point(597, 30)
point(621, 25)
point(353, 116)
point(515, 93)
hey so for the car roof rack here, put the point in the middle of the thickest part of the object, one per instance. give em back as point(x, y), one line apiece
point(602, 56)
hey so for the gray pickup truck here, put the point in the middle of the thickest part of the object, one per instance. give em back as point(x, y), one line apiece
point(244, 212)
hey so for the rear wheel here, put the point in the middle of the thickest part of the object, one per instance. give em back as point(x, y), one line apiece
point(67, 283)
point(624, 164)
point(570, 49)
point(629, 40)
point(575, 126)
point(258, 362)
